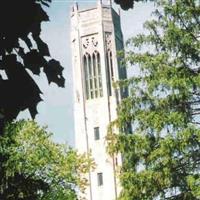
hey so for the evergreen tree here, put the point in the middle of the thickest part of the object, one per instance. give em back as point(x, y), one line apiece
point(161, 158)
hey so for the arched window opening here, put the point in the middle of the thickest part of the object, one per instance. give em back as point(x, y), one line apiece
point(91, 84)
point(95, 74)
point(93, 79)
point(110, 72)
point(111, 66)
point(99, 75)
point(108, 76)
point(86, 76)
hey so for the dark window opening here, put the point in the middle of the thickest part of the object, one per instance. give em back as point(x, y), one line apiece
point(110, 72)
point(108, 76)
point(100, 179)
point(96, 133)
point(86, 76)
point(99, 75)
point(111, 67)
point(116, 161)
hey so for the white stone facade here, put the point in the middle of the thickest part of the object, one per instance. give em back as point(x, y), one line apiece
point(96, 36)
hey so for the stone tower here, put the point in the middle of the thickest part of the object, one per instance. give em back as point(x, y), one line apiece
point(96, 37)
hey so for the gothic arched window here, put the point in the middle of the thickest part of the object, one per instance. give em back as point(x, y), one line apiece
point(100, 88)
point(92, 73)
point(110, 73)
point(86, 75)
point(94, 61)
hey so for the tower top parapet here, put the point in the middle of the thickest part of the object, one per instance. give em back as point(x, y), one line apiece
point(105, 2)
point(99, 2)
point(74, 8)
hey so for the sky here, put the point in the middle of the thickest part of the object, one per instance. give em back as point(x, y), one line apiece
point(56, 109)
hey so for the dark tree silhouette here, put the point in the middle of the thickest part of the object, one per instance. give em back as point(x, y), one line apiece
point(126, 4)
point(22, 48)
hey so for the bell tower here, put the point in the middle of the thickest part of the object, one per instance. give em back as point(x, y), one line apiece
point(96, 37)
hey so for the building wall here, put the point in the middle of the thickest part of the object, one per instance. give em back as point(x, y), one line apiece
point(96, 29)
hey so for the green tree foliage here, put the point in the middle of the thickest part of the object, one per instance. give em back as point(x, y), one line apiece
point(34, 167)
point(161, 159)
point(22, 49)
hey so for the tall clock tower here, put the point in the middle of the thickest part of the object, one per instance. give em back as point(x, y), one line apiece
point(96, 37)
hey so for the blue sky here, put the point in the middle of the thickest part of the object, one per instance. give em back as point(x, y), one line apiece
point(56, 111)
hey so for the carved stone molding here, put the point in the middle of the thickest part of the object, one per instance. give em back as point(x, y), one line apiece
point(108, 40)
point(85, 43)
point(94, 41)
point(90, 43)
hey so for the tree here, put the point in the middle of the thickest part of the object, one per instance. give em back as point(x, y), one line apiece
point(34, 167)
point(21, 48)
point(161, 159)
point(127, 4)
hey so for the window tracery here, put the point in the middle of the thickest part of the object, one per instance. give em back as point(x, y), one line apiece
point(89, 42)
point(92, 73)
